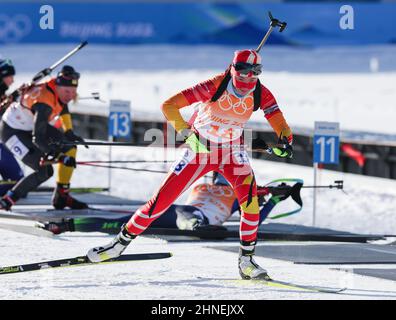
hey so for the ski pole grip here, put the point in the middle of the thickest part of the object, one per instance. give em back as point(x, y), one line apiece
point(274, 22)
point(42, 74)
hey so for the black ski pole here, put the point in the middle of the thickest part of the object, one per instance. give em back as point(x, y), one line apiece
point(93, 96)
point(273, 24)
point(125, 168)
point(45, 72)
point(338, 184)
point(74, 190)
point(124, 161)
point(77, 143)
point(39, 76)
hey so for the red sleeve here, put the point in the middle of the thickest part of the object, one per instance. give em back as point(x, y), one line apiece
point(203, 91)
point(268, 103)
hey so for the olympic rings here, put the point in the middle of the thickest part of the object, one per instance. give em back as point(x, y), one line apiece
point(12, 29)
point(215, 190)
point(239, 107)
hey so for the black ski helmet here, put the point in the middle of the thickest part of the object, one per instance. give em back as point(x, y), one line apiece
point(6, 68)
point(67, 77)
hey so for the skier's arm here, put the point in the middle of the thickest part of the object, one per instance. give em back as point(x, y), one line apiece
point(170, 109)
point(200, 92)
point(67, 126)
point(274, 115)
point(41, 115)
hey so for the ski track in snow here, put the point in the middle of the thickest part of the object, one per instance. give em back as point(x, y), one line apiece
point(196, 272)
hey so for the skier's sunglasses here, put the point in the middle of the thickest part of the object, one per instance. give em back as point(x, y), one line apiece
point(245, 68)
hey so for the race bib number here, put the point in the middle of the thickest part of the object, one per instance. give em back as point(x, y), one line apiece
point(17, 148)
point(181, 164)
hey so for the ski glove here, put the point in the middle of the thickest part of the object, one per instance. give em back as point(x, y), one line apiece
point(260, 145)
point(50, 159)
point(192, 139)
point(283, 151)
point(67, 161)
point(54, 153)
point(72, 137)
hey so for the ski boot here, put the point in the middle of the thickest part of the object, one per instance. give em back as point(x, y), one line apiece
point(112, 250)
point(61, 198)
point(57, 227)
point(7, 201)
point(248, 268)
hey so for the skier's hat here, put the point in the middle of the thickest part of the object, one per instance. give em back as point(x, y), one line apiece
point(6, 68)
point(67, 77)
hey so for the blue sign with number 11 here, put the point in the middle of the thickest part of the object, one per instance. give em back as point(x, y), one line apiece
point(326, 142)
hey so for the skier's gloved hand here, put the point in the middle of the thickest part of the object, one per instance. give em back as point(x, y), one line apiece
point(259, 144)
point(72, 137)
point(192, 139)
point(67, 161)
point(54, 152)
point(286, 152)
point(283, 150)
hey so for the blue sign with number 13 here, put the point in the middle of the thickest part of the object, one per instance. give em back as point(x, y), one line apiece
point(120, 119)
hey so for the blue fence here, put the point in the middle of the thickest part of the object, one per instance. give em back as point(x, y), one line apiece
point(233, 23)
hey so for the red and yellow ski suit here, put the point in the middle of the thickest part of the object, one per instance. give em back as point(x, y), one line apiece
point(220, 122)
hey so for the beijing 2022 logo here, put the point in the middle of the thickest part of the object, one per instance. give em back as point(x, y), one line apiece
point(14, 28)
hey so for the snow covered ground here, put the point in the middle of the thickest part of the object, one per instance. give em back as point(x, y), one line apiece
point(197, 272)
point(194, 272)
